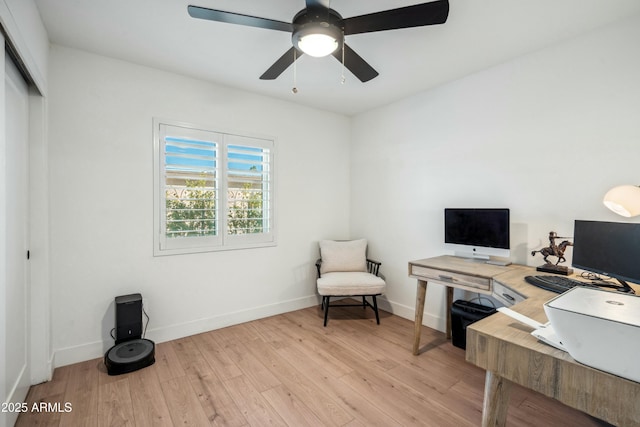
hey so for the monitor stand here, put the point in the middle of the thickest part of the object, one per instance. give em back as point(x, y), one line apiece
point(625, 287)
point(499, 262)
point(471, 256)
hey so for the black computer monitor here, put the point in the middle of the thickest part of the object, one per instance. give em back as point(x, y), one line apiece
point(608, 248)
point(477, 233)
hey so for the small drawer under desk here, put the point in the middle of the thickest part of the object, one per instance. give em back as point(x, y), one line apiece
point(506, 295)
point(449, 278)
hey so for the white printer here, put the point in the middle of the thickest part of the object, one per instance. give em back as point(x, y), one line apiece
point(598, 328)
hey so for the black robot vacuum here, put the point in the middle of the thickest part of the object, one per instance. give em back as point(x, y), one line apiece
point(131, 352)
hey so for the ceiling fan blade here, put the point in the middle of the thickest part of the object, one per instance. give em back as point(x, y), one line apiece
point(435, 12)
point(281, 64)
point(354, 63)
point(237, 18)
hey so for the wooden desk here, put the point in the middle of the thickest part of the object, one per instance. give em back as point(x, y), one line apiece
point(509, 354)
point(454, 272)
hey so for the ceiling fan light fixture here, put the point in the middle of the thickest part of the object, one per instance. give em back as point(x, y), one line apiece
point(317, 45)
point(317, 39)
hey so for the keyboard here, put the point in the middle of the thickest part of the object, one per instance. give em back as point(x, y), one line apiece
point(557, 284)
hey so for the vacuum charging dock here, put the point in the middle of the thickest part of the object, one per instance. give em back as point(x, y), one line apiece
point(131, 352)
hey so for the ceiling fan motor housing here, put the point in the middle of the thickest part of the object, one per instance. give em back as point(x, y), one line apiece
point(317, 21)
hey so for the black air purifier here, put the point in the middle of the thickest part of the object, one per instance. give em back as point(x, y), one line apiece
point(464, 313)
point(131, 352)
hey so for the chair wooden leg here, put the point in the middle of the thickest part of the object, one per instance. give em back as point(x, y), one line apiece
point(375, 308)
point(326, 309)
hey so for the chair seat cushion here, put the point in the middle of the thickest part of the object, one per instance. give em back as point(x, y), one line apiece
point(350, 283)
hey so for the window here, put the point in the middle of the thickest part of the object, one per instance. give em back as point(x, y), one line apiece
point(213, 190)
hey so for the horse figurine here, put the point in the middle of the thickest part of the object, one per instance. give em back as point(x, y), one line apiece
point(558, 252)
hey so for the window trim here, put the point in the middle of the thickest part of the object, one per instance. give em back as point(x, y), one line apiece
point(223, 241)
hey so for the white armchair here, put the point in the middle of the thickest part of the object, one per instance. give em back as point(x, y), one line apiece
point(344, 270)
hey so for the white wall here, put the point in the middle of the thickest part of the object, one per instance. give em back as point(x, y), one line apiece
point(101, 212)
point(545, 135)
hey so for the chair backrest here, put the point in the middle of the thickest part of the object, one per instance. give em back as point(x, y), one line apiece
point(348, 255)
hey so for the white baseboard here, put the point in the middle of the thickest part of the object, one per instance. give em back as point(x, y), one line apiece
point(217, 322)
point(40, 374)
point(51, 366)
point(409, 313)
point(80, 353)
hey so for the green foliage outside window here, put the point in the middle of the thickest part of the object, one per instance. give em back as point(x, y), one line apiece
point(245, 214)
point(191, 211)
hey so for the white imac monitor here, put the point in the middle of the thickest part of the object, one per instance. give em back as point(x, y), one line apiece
point(477, 233)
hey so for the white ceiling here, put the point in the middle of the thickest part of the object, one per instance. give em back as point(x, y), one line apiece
point(477, 35)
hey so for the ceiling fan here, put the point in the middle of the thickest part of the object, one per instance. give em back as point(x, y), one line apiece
point(319, 30)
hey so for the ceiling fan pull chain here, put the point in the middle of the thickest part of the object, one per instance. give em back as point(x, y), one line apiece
point(342, 80)
point(295, 79)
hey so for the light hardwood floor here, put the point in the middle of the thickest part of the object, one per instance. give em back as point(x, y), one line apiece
point(289, 370)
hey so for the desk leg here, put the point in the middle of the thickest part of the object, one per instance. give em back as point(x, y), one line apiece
point(448, 311)
point(496, 400)
point(421, 293)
